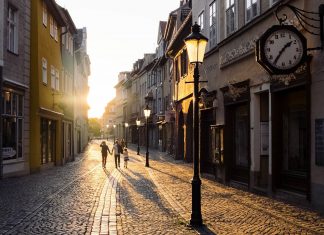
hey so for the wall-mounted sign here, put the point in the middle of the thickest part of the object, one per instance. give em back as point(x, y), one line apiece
point(281, 49)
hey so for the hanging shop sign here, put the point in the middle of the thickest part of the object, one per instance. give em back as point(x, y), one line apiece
point(281, 49)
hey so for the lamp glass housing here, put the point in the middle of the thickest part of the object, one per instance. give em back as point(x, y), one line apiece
point(196, 45)
point(126, 124)
point(147, 112)
point(196, 50)
point(138, 122)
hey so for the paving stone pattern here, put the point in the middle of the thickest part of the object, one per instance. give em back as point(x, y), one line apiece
point(56, 201)
point(228, 210)
point(83, 198)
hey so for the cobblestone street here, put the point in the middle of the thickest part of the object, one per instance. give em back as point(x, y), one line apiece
point(82, 198)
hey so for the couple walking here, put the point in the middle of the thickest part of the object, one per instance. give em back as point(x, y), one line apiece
point(116, 150)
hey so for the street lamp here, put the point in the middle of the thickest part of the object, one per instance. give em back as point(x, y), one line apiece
point(107, 131)
point(138, 123)
point(196, 45)
point(114, 133)
point(126, 125)
point(147, 113)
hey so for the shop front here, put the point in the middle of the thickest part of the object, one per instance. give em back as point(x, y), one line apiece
point(291, 134)
point(237, 132)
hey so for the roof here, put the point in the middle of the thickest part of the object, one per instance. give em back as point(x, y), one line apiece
point(177, 40)
point(53, 7)
point(68, 20)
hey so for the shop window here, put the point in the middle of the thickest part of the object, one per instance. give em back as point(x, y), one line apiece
point(48, 142)
point(12, 123)
point(217, 144)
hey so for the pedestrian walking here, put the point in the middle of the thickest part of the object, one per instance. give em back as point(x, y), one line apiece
point(126, 157)
point(104, 152)
point(117, 150)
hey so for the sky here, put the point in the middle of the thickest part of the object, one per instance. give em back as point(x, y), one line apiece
point(119, 33)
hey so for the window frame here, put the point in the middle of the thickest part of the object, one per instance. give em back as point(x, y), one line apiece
point(234, 7)
point(44, 14)
point(14, 116)
point(44, 71)
point(251, 7)
point(52, 26)
point(55, 31)
point(213, 41)
point(53, 77)
point(12, 23)
point(201, 20)
point(57, 80)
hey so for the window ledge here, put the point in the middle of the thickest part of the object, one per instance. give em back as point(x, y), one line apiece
point(13, 161)
point(13, 53)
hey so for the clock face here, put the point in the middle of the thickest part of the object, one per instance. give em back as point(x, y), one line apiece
point(281, 49)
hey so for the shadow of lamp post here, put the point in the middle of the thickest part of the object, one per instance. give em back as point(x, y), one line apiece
point(196, 45)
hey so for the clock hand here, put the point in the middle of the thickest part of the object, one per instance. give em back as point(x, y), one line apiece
point(281, 51)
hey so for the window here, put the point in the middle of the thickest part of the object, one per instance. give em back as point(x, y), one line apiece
point(63, 38)
point(67, 41)
point(57, 80)
point(12, 122)
point(55, 31)
point(12, 29)
point(51, 26)
point(184, 63)
point(230, 16)
point(63, 82)
point(44, 14)
point(53, 77)
point(252, 9)
point(71, 45)
point(201, 20)
point(212, 24)
point(44, 70)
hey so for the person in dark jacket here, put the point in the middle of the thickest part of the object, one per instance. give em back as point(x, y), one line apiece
point(104, 153)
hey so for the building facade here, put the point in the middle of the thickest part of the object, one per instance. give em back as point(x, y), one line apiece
point(81, 90)
point(47, 105)
point(15, 86)
point(67, 88)
point(264, 132)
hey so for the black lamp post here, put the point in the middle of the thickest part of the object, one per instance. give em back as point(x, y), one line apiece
point(107, 131)
point(147, 113)
point(196, 45)
point(114, 133)
point(126, 125)
point(138, 123)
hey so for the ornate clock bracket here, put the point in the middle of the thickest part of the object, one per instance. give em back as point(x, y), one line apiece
point(306, 19)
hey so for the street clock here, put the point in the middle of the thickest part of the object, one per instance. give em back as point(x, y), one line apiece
point(281, 49)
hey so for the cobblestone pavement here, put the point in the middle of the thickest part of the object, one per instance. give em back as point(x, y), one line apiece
point(55, 201)
point(227, 210)
point(84, 198)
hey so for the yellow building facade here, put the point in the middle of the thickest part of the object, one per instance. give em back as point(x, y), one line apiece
point(46, 67)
